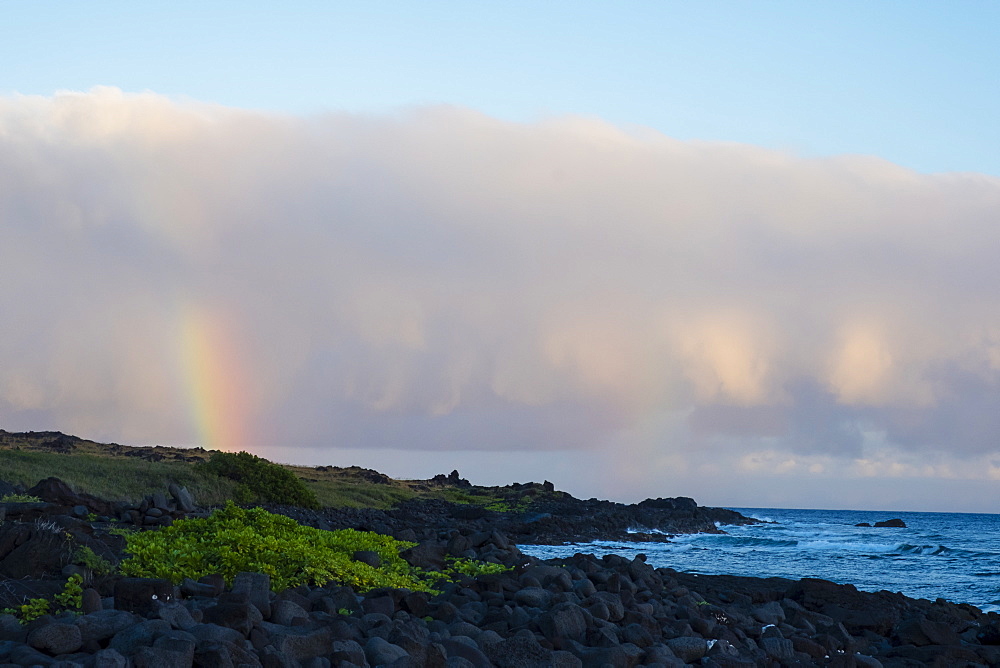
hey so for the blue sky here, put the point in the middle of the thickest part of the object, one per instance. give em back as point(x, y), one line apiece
point(740, 251)
point(915, 83)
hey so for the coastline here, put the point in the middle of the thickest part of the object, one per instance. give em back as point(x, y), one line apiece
point(577, 611)
point(949, 555)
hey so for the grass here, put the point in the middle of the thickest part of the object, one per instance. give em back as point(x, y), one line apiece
point(128, 473)
point(344, 494)
point(129, 479)
point(126, 479)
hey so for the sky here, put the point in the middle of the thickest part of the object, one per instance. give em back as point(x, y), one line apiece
point(739, 251)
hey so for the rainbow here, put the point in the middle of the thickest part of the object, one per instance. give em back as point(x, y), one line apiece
point(214, 378)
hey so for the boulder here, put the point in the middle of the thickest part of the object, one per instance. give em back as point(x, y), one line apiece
point(129, 640)
point(209, 633)
point(349, 651)
point(920, 631)
point(287, 613)
point(301, 643)
point(533, 597)
point(110, 658)
point(142, 595)
point(257, 587)
point(182, 497)
point(688, 649)
point(426, 554)
point(989, 634)
point(56, 638)
point(103, 624)
point(175, 614)
point(565, 621)
point(54, 490)
point(32, 550)
point(233, 611)
point(369, 557)
point(380, 651)
point(893, 523)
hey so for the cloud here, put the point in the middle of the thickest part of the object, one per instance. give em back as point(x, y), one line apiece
point(441, 280)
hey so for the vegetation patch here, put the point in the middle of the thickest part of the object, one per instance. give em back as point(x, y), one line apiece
point(70, 598)
point(233, 539)
point(349, 494)
point(20, 498)
point(509, 506)
point(98, 565)
point(121, 479)
point(258, 480)
point(473, 568)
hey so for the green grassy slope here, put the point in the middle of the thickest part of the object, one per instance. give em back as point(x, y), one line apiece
point(127, 473)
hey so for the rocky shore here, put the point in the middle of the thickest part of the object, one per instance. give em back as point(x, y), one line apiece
point(580, 611)
point(550, 522)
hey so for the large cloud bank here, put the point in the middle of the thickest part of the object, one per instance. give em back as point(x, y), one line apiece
point(441, 281)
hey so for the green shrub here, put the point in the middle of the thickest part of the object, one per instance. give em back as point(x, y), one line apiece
point(232, 540)
point(258, 480)
point(20, 498)
point(520, 506)
point(70, 598)
point(86, 557)
point(472, 568)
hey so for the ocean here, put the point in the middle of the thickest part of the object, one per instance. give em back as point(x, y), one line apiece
point(955, 556)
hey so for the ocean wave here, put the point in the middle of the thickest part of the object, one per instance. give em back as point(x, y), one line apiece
point(752, 541)
point(940, 551)
point(821, 545)
point(645, 530)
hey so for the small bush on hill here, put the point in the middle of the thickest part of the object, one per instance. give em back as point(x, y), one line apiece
point(20, 498)
point(233, 539)
point(258, 480)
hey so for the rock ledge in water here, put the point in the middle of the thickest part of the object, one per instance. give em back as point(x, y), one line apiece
point(898, 523)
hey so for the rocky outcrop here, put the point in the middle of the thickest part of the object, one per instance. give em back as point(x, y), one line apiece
point(576, 612)
point(894, 523)
point(579, 612)
point(452, 479)
point(54, 490)
point(548, 521)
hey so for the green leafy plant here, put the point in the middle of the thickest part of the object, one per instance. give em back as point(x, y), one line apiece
point(502, 506)
point(30, 610)
point(86, 557)
point(20, 498)
point(70, 598)
point(258, 480)
point(233, 539)
point(473, 568)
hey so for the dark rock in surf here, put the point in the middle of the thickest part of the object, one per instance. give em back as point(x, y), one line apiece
point(893, 523)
